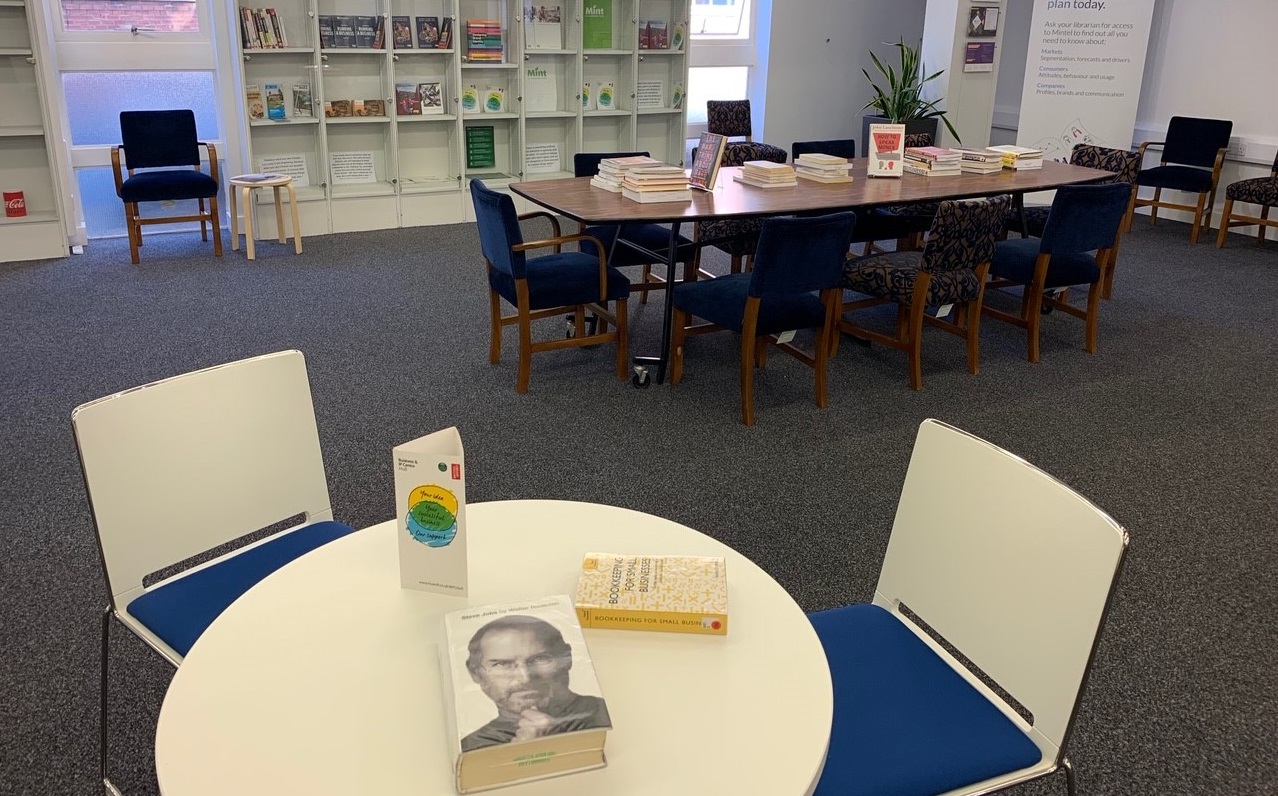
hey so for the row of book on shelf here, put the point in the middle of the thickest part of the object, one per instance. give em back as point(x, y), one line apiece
point(340, 31)
point(522, 696)
point(261, 29)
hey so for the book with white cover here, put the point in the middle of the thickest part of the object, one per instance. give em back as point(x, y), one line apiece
point(541, 85)
point(521, 699)
point(887, 150)
point(684, 195)
point(430, 507)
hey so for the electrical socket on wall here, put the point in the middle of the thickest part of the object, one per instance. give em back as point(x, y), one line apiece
point(1237, 146)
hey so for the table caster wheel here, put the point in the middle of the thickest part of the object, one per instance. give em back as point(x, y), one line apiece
point(640, 380)
point(570, 330)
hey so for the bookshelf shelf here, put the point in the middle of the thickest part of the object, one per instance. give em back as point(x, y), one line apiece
point(420, 160)
point(32, 144)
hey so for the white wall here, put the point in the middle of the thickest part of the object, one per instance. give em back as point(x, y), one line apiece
point(810, 77)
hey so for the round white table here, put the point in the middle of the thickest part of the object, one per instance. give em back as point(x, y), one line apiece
point(323, 678)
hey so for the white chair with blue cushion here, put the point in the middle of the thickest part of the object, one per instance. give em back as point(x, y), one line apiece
point(184, 466)
point(1015, 572)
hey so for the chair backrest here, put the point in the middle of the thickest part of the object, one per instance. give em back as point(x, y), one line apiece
point(739, 153)
point(918, 139)
point(158, 139)
point(498, 229)
point(1195, 142)
point(800, 255)
point(586, 164)
point(964, 232)
point(1125, 163)
point(1084, 218)
point(728, 117)
point(181, 466)
point(838, 147)
point(1009, 565)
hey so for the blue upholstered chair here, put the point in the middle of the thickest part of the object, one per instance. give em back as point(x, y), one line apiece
point(1126, 166)
point(155, 144)
point(838, 147)
point(186, 465)
point(1083, 219)
point(653, 237)
point(1193, 155)
point(964, 674)
point(1262, 191)
point(545, 286)
point(794, 285)
point(949, 272)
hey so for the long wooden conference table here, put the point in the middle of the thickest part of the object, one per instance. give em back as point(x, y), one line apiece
point(576, 199)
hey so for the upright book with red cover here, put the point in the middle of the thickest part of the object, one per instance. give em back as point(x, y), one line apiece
point(706, 161)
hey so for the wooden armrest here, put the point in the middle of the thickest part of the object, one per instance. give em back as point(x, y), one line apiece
point(554, 221)
point(212, 160)
point(115, 167)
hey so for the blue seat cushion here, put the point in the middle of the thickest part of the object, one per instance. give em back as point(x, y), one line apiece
point(722, 302)
point(653, 237)
point(1014, 260)
point(180, 610)
point(560, 280)
point(1181, 178)
point(905, 723)
point(884, 224)
point(161, 185)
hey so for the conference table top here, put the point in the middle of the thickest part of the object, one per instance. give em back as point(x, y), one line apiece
point(576, 199)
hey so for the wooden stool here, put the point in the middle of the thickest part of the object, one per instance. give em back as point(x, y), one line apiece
point(246, 183)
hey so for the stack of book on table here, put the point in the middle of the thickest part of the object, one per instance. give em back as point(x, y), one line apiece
point(766, 174)
point(656, 184)
point(933, 161)
point(612, 171)
point(1020, 158)
point(822, 168)
point(980, 161)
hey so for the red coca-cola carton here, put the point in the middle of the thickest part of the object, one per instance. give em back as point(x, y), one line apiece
point(15, 204)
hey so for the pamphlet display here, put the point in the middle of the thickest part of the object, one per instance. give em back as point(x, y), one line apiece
point(886, 150)
point(596, 25)
point(675, 594)
point(543, 27)
point(430, 507)
point(541, 86)
point(521, 699)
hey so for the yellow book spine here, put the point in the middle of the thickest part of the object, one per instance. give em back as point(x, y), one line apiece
point(709, 624)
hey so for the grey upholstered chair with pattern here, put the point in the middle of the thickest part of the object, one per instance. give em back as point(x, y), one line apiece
point(1261, 191)
point(1124, 163)
point(950, 271)
point(736, 236)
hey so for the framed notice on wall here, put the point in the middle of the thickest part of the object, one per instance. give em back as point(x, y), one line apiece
point(481, 151)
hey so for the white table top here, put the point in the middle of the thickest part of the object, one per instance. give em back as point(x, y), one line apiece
point(323, 678)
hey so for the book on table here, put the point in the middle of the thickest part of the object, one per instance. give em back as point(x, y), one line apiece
point(886, 150)
point(656, 184)
point(670, 593)
point(766, 174)
point(820, 167)
point(706, 161)
point(521, 698)
point(612, 171)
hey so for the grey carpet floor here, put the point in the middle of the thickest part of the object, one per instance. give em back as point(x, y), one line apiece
point(1171, 427)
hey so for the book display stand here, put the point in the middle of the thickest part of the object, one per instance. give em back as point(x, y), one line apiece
point(30, 143)
point(410, 99)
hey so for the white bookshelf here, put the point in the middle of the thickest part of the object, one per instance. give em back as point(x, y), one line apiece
point(420, 169)
point(28, 160)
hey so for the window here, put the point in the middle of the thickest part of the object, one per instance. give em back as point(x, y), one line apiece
point(721, 19)
point(172, 16)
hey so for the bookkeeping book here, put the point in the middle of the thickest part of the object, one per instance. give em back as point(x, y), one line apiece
point(706, 161)
point(675, 594)
point(887, 150)
point(521, 699)
point(430, 507)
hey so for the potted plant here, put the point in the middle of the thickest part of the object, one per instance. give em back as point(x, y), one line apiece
point(898, 99)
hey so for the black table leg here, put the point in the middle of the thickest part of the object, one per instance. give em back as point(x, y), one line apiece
point(662, 360)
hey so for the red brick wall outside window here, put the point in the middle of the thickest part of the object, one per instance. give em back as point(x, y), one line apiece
point(174, 16)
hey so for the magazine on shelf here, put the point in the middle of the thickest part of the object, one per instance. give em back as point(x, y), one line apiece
point(521, 699)
point(543, 27)
point(303, 100)
point(430, 507)
point(253, 99)
point(401, 33)
point(408, 102)
point(275, 110)
point(596, 25)
point(432, 96)
point(674, 594)
point(428, 33)
point(541, 85)
point(707, 160)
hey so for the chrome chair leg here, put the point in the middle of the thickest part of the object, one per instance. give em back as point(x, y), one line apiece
point(1070, 785)
point(110, 788)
